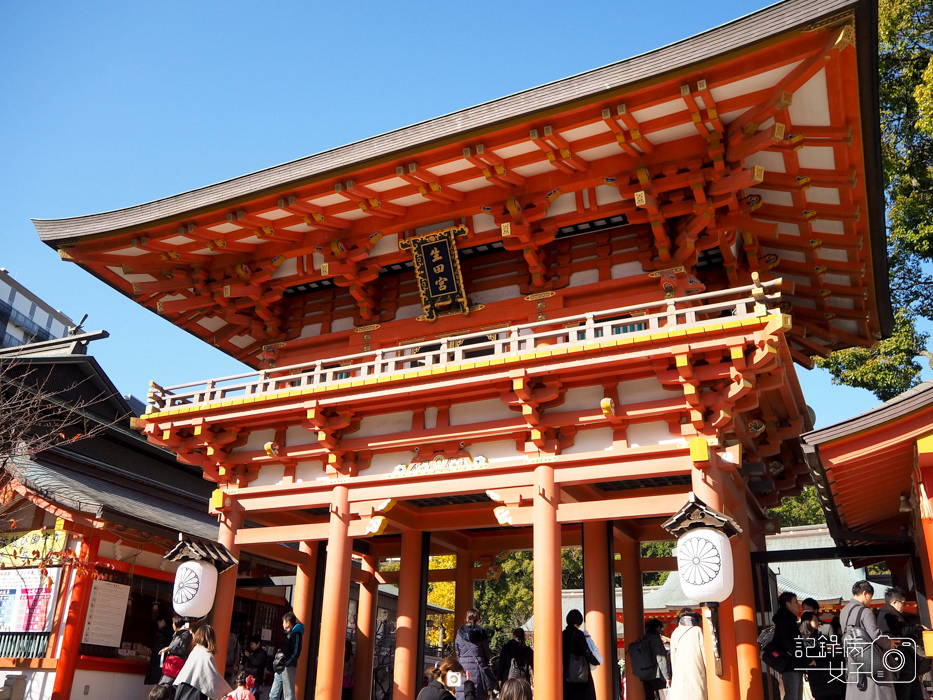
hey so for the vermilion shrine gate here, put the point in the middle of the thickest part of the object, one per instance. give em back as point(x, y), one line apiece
point(537, 322)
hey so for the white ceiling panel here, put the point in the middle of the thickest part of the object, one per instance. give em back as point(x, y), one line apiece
point(581, 132)
point(517, 149)
point(754, 84)
point(811, 103)
point(661, 110)
point(817, 158)
point(822, 195)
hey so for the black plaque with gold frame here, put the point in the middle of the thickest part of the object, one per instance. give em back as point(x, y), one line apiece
point(437, 269)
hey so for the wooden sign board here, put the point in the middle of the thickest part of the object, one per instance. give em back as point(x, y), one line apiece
point(437, 269)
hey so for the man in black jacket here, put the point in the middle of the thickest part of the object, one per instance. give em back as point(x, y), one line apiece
point(786, 632)
point(255, 661)
point(892, 623)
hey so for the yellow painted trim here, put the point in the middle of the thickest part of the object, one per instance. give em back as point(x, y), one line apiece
point(699, 450)
point(925, 444)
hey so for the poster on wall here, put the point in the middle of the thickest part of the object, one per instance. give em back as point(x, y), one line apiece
point(26, 599)
point(106, 612)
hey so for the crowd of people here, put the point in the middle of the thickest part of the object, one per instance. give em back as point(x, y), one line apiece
point(182, 666)
point(861, 654)
point(469, 673)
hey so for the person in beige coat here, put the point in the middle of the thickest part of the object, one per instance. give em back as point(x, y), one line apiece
point(688, 663)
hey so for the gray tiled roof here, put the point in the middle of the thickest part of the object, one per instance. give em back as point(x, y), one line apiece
point(150, 508)
point(913, 399)
point(759, 26)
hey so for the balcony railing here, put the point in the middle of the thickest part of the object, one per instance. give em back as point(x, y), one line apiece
point(453, 350)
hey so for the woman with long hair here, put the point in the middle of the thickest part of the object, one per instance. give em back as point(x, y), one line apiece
point(471, 645)
point(199, 678)
point(446, 679)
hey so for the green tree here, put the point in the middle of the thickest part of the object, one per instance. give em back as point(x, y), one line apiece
point(804, 509)
point(508, 601)
point(656, 549)
point(906, 91)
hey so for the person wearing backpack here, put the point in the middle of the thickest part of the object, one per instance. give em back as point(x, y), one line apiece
point(786, 634)
point(660, 676)
point(859, 626)
point(516, 658)
point(688, 660)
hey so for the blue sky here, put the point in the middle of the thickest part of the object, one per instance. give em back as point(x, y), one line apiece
point(107, 105)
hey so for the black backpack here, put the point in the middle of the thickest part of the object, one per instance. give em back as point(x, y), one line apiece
point(644, 663)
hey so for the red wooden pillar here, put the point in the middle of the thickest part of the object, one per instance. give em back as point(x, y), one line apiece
point(743, 610)
point(366, 632)
point(463, 589)
point(303, 599)
point(633, 610)
point(707, 485)
point(336, 598)
point(230, 522)
point(547, 587)
point(74, 623)
point(407, 671)
point(596, 593)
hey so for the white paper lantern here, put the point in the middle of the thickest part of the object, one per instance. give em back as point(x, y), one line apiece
point(704, 562)
point(195, 586)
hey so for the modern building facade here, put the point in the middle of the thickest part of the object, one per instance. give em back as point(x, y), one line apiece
point(24, 317)
point(555, 319)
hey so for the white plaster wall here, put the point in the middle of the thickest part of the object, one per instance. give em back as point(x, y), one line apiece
point(310, 331)
point(386, 244)
point(256, 440)
point(409, 311)
point(599, 440)
point(38, 683)
point(385, 462)
point(430, 418)
point(628, 269)
point(342, 324)
point(483, 222)
point(607, 195)
point(479, 412)
point(656, 433)
point(578, 279)
point(581, 398)
point(385, 424)
point(269, 475)
point(299, 435)
point(312, 470)
point(639, 390)
point(106, 685)
point(495, 451)
point(288, 267)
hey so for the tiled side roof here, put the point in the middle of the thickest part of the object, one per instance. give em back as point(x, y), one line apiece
point(915, 399)
point(753, 28)
point(106, 499)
